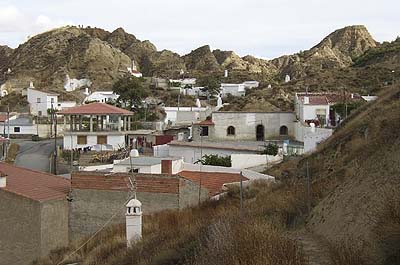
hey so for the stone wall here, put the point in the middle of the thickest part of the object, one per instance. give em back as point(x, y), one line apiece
point(19, 229)
point(54, 225)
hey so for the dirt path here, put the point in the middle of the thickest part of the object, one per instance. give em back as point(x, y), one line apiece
point(315, 249)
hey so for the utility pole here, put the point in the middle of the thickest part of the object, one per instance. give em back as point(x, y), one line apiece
point(201, 162)
point(8, 121)
point(54, 118)
point(241, 192)
point(308, 188)
point(392, 77)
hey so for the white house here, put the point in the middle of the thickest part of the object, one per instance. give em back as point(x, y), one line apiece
point(102, 97)
point(185, 115)
point(147, 164)
point(96, 124)
point(245, 126)
point(232, 89)
point(40, 101)
point(133, 71)
point(312, 107)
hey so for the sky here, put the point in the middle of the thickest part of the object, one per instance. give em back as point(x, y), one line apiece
point(262, 28)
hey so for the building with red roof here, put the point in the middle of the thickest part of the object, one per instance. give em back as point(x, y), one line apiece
point(96, 125)
point(33, 214)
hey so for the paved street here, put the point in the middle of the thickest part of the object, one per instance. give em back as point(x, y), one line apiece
point(36, 155)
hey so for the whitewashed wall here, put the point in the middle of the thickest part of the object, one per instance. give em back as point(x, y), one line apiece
point(193, 154)
point(251, 160)
point(116, 141)
point(312, 139)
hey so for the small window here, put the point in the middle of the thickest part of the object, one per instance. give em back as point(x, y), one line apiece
point(40, 113)
point(17, 129)
point(231, 130)
point(82, 139)
point(52, 100)
point(133, 170)
point(102, 139)
point(38, 100)
point(204, 131)
point(283, 130)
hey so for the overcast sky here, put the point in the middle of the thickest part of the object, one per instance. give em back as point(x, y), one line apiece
point(262, 28)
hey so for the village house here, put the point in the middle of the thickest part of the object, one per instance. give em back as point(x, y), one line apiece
point(236, 90)
point(33, 214)
point(102, 97)
point(133, 71)
point(317, 107)
point(40, 102)
point(185, 115)
point(245, 126)
point(96, 124)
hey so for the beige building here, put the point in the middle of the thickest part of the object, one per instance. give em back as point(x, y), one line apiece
point(245, 126)
point(33, 214)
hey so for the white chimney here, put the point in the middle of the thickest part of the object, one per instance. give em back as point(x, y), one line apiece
point(3, 180)
point(312, 125)
point(306, 100)
point(226, 73)
point(352, 95)
point(133, 222)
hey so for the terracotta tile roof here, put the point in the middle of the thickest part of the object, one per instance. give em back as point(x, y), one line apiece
point(212, 181)
point(206, 122)
point(119, 182)
point(3, 117)
point(316, 100)
point(96, 108)
point(38, 186)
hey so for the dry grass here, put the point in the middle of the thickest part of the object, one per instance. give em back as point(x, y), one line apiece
point(347, 254)
point(12, 153)
point(214, 233)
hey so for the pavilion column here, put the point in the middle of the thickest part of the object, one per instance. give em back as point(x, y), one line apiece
point(119, 123)
point(97, 122)
point(65, 123)
point(71, 122)
point(129, 123)
point(80, 122)
point(74, 122)
point(91, 123)
point(125, 123)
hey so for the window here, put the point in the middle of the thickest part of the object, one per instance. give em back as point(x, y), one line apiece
point(40, 113)
point(283, 130)
point(38, 100)
point(204, 131)
point(17, 129)
point(52, 100)
point(82, 139)
point(102, 139)
point(230, 130)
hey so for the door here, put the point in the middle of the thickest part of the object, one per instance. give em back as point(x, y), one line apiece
point(260, 132)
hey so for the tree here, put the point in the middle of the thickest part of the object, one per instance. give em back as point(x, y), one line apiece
point(131, 90)
point(271, 149)
point(216, 160)
point(210, 83)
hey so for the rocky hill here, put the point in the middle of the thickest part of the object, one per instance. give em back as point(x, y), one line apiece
point(47, 58)
point(102, 56)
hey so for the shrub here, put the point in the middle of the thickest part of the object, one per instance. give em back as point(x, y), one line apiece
point(216, 160)
point(271, 149)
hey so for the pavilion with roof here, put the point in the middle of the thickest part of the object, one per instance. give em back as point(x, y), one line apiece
point(96, 125)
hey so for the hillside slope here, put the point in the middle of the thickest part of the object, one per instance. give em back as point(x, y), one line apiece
point(356, 181)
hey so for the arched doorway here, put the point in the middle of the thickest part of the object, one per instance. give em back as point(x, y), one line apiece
point(283, 130)
point(260, 132)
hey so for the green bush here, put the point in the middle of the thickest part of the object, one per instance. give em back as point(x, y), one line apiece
point(271, 149)
point(216, 160)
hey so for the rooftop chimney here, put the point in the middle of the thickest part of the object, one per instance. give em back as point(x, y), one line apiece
point(306, 100)
point(3, 180)
point(166, 167)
